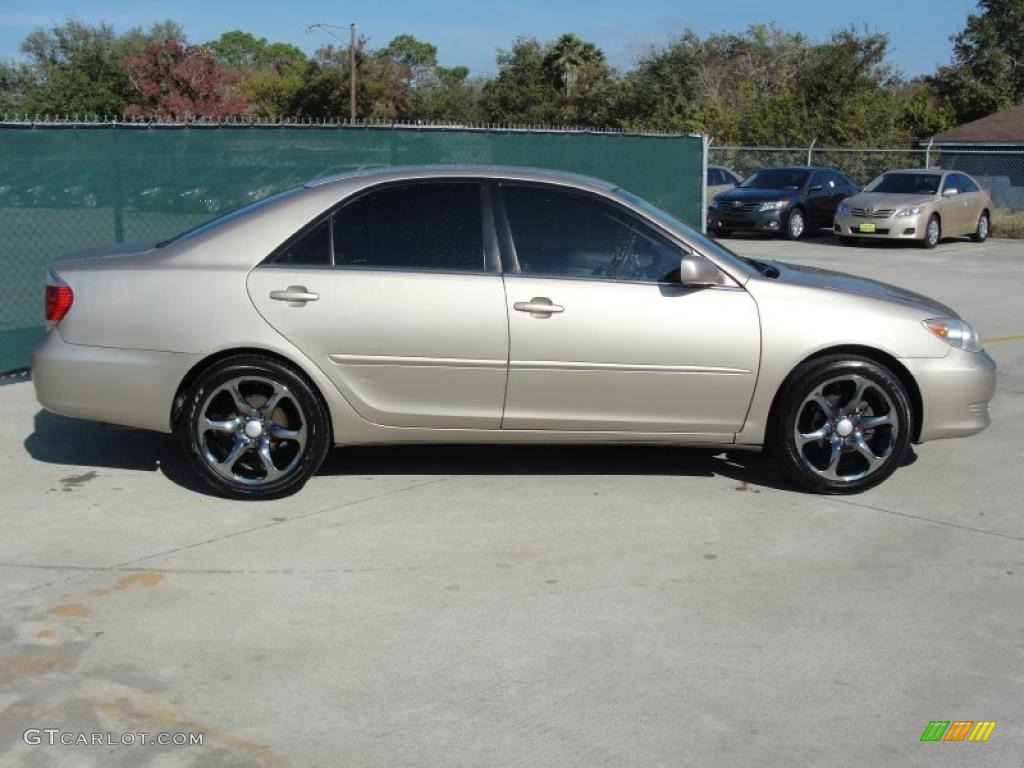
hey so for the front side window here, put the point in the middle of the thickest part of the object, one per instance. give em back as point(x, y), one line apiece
point(564, 234)
point(951, 183)
point(429, 226)
point(965, 184)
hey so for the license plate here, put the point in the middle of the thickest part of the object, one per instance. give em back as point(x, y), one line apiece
point(867, 227)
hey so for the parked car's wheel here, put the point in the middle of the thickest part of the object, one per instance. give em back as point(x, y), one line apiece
point(932, 232)
point(984, 225)
point(253, 427)
point(844, 424)
point(796, 224)
point(847, 240)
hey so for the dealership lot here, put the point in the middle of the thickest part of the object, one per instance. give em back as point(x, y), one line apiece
point(525, 605)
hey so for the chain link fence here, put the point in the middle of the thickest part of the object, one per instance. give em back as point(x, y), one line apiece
point(1001, 171)
point(70, 185)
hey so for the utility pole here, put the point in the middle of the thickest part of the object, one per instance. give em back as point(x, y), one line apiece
point(352, 73)
point(351, 61)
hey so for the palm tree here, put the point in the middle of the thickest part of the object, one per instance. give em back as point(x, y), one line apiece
point(568, 56)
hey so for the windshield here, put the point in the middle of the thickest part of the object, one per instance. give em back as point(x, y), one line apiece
point(776, 178)
point(703, 243)
point(906, 184)
point(206, 226)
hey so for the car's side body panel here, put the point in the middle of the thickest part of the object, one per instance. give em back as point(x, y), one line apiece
point(407, 349)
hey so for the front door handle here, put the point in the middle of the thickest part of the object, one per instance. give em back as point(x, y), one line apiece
point(538, 306)
point(294, 295)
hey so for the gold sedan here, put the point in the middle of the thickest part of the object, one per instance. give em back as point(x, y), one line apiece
point(921, 205)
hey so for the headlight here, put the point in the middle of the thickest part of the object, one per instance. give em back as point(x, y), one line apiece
point(774, 205)
point(911, 211)
point(956, 333)
point(843, 209)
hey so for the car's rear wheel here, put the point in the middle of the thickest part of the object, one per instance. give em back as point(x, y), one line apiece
point(984, 225)
point(796, 224)
point(253, 427)
point(932, 232)
point(844, 424)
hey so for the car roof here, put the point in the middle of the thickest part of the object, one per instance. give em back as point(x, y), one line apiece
point(383, 173)
point(922, 171)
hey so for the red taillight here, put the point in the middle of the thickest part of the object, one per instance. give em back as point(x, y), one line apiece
point(58, 302)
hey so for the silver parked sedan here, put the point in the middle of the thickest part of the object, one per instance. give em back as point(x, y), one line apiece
point(483, 304)
point(921, 205)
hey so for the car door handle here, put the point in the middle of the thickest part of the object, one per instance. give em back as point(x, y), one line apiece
point(538, 306)
point(295, 295)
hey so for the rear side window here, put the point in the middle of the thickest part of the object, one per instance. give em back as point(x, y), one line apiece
point(311, 249)
point(435, 226)
point(715, 177)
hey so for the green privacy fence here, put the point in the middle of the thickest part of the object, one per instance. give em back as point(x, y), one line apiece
point(67, 187)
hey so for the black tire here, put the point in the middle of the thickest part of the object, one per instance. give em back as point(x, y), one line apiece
point(796, 224)
point(847, 240)
point(931, 237)
point(295, 428)
point(983, 229)
point(837, 378)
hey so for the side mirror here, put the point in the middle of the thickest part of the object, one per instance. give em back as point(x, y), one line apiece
point(950, 192)
point(694, 270)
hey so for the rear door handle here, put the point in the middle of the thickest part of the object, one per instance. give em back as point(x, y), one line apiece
point(538, 306)
point(294, 295)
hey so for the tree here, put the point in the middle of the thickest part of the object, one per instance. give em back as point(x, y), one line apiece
point(987, 72)
point(181, 82)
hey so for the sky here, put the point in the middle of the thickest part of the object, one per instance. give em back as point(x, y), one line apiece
point(469, 31)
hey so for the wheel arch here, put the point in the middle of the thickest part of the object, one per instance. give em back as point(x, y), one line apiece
point(209, 361)
point(871, 353)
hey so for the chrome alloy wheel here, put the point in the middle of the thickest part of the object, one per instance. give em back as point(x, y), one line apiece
point(933, 232)
point(252, 430)
point(983, 227)
point(846, 429)
point(796, 224)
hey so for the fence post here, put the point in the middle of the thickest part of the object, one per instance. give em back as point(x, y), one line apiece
point(810, 151)
point(928, 154)
point(706, 142)
point(115, 163)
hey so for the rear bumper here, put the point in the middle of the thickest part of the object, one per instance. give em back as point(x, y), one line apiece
point(129, 387)
point(956, 391)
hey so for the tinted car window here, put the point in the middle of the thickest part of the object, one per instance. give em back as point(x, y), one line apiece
point(420, 226)
point(562, 234)
point(715, 177)
point(837, 180)
point(905, 184)
point(312, 248)
point(965, 184)
point(776, 178)
point(819, 179)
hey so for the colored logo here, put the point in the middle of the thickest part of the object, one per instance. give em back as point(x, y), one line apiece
point(958, 730)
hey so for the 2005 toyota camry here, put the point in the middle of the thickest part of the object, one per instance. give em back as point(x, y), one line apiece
point(483, 304)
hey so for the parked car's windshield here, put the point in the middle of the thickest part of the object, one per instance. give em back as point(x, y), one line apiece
point(704, 244)
point(906, 184)
point(776, 178)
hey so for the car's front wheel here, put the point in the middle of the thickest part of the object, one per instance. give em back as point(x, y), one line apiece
point(796, 224)
point(932, 232)
point(981, 232)
point(844, 424)
point(253, 427)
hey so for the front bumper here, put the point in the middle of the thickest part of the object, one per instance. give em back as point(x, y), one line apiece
point(956, 391)
point(892, 228)
point(753, 221)
point(128, 387)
